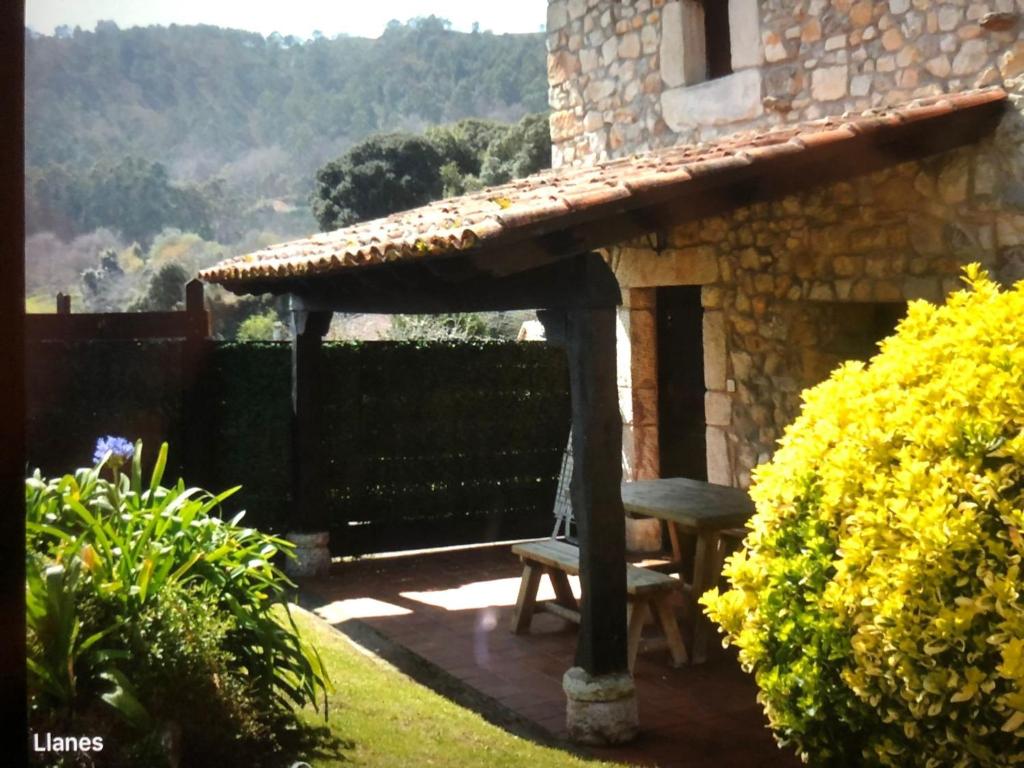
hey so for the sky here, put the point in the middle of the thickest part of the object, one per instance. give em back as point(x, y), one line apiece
point(359, 18)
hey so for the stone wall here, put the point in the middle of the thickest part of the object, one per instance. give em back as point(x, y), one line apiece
point(620, 81)
point(776, 277)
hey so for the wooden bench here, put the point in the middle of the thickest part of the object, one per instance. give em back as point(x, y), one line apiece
point(648, 593)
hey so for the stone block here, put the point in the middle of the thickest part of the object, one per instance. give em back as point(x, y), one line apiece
point(589, 60)
point(939, 66)
point(926, 235)
point(561, 67)
point(741, 365)
point(649, 38)
point(811, 31)
point(1010, 266)
point(721, 101)
point(682, 53)
point(821, 291)
point(564, 126)
point(646, 456)
point(1011, 63)
point(714, 350)
point(593, 121)
point(712, 296)
point(717, 409)
point(312, 555)
point(639, 268)
point(927, 288)
point(609, 50)
point(644, 355)
point(645, 407)
point(892, 39)
point(887, 290)
point(558, 15)
point(598, 89)
point(971, 59)
point(629, 46)
point(641, 298)
point(829, 83)
point(949, 17)
point(860, 13)
point(775, 48)
point(719, 467)
point(745, 33)
point(1010, 230)
point(953, 180)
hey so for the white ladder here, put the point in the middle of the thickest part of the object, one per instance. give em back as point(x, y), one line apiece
point(565, 524)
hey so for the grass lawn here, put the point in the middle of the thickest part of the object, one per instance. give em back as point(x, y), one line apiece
point(380, 717)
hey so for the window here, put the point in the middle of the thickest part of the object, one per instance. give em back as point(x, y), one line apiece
point(717, 38)
point(708, 39)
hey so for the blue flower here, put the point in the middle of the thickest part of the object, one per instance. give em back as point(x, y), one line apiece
point(120, 450)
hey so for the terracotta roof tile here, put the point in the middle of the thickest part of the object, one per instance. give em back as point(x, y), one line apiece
point(474, 220)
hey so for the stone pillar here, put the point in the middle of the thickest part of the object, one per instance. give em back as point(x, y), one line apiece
point(638, 401)
point(717, 400)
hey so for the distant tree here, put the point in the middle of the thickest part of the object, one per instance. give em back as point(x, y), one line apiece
point(228, 313)
point(452, 327)
point(166, 290)
point(523, 149)
point(258, 327)
point(147, 91)
point(377, 177)
point(133, 196)
point(430, 23)
point(465, 142)
point(103, 286)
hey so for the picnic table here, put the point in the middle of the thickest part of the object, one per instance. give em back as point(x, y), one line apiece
point(707, 511)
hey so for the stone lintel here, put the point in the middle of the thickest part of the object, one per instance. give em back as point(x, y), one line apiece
point(645, 268)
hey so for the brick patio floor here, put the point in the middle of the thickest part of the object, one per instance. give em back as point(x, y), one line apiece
point(452, 608)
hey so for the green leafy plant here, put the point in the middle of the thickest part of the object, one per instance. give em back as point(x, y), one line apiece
point(128, 579)
point(878, 596)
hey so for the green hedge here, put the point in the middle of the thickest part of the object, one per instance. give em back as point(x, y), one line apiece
point(425, 443)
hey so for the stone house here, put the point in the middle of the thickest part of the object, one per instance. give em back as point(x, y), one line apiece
point(772, 231)
point(727, 318)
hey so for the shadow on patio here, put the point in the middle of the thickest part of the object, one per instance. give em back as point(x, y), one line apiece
point(443, 617)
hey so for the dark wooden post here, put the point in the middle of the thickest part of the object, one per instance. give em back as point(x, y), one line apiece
point(587, 331)
point(63, 304)
point(12, 383)
point(596, 492)
point(600, 693)
point(196, 412)
point(308, 496)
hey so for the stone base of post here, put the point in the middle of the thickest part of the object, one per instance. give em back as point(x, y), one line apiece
point(600, 710)
point(312, 556)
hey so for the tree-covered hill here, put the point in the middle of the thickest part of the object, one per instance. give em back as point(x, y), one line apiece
point(203, 100)
point(153, 152)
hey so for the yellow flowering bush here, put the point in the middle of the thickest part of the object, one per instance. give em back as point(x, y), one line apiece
point(878, 597)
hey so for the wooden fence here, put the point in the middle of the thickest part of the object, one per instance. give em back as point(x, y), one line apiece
point(191, 327)
point(426, 444)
